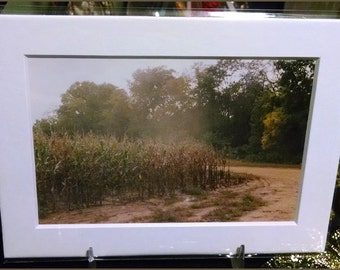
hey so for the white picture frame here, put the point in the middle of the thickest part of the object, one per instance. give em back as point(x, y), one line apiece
point(249, 37)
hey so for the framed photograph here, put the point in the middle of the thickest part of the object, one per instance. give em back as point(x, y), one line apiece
point(167, 136)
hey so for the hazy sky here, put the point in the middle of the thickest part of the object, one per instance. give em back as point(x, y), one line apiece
point(50, 77)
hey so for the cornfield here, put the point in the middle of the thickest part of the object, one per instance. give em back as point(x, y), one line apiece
point(79, 171)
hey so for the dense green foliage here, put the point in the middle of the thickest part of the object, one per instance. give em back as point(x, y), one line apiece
point(250, 109)
point(329, 259)
point(87, 107)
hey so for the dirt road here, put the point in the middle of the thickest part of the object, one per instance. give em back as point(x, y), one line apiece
point(278, 187)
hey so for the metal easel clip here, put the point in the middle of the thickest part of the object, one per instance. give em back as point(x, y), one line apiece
point(91, 258)
point(237, 261)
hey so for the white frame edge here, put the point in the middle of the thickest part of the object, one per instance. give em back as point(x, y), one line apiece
point(177, 37)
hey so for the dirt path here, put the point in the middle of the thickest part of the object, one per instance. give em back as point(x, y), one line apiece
point(276, 188)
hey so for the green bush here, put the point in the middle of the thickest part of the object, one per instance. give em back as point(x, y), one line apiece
point(329, 259)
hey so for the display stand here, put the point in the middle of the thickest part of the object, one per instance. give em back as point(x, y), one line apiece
point(237, 260)
point(91, 258)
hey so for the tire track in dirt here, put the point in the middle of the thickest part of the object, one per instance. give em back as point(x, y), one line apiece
point(277, 187)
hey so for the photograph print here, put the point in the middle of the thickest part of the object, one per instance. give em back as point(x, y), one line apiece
point(159, 140)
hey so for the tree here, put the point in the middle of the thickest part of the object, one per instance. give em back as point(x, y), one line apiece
point(88, 107)
point(274, 123)
point(147, 90)
point(263, 104)
point(211, 108)
point(46, 125)
point(242, 109)
point(226, 93)
point(295, 86)
point(161, 102)
point(280, 113)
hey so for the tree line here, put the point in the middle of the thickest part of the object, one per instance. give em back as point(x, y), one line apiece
point(246, 109)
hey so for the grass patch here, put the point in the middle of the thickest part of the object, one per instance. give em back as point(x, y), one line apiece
point(164, 216)
point(221, 198)
point(227, 194)
point(171, 200)
point(230, 209)
point(197, 192)
point(250, 202)
point(202, 204)
point(171, 215)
